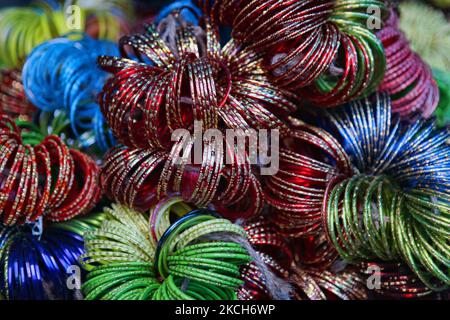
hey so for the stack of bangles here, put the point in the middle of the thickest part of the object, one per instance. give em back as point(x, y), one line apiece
point(319, 284)
point(383, 208)
point(38, 265)
point(60, 74)
point(223, 95)
point(396, 281)
point(47, 179)
point(326, 51)
point(139, 177)
point(182, 263)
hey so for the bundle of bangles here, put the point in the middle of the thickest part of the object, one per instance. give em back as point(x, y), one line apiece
point(224, 150)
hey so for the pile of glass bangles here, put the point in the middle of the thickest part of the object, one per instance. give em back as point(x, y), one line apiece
point(221, 150)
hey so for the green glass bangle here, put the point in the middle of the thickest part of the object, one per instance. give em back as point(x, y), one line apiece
point(372, 218)
point(121, 256)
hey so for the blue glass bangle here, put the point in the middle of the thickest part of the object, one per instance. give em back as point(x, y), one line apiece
point(416, 155)
point(37, 268)
point(63, 74)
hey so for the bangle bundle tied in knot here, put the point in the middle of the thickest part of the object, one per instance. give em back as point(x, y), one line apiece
point(62, 74)
point(125, 262)
point(24, 28)
point(187, 78)
point(397, 207)
point(392, 202)
point(13, 101)
point(176, 84)
point(317, 273)
point(408, 78)
point(326, 51)
point(37, 266)
point(47, 179)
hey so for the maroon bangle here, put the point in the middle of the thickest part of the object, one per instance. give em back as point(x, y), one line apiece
point(297, 191)
point(301, 41)
point(408, 78)
point(47, 179)
point(141, 177)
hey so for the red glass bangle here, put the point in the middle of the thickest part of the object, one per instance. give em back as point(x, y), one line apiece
point(297, 191)
point(221, 87)
point(95, 23)
point(47, 180)
point(141, 177)
point(323, 50)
